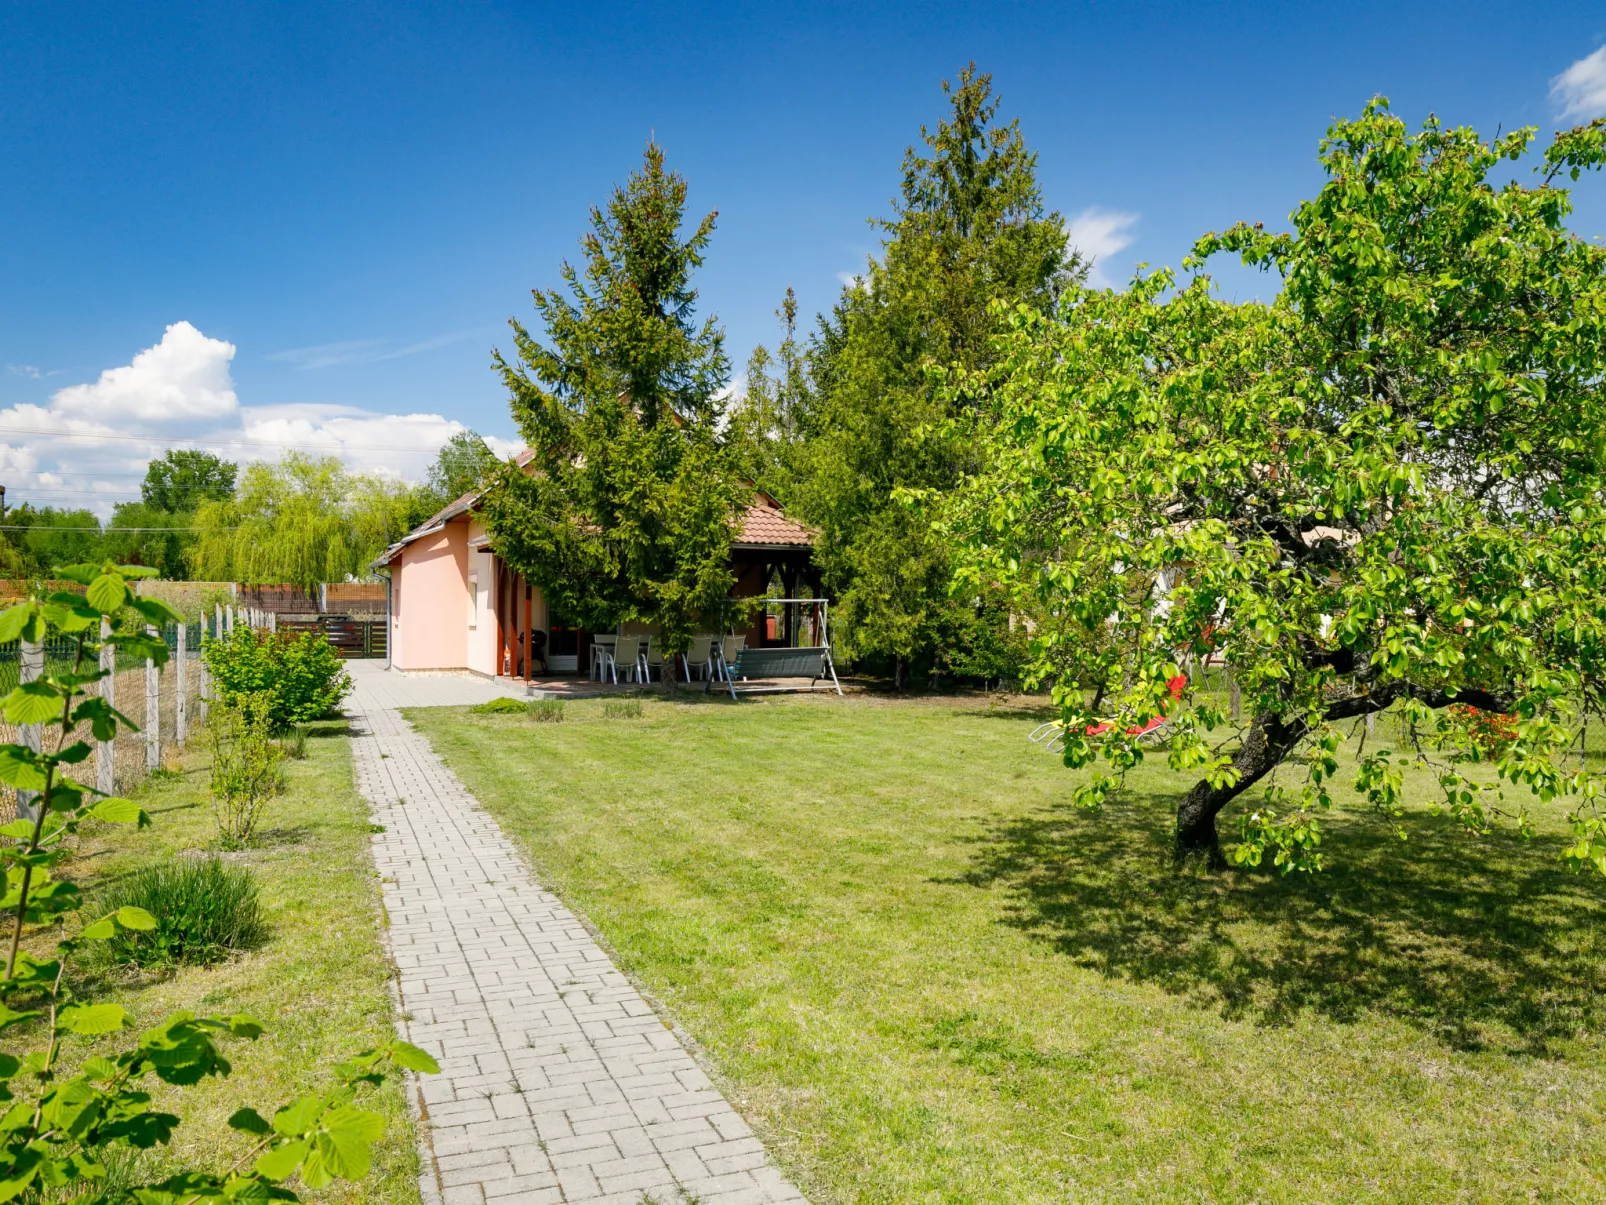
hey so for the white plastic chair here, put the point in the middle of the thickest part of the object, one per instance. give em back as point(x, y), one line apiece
point(626, 654)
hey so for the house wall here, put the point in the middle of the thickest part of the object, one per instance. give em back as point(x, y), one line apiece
point(430, 601)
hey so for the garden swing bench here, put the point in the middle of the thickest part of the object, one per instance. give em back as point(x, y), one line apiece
point(812, 662)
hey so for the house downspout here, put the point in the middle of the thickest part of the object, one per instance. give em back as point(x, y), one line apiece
point(390, 633)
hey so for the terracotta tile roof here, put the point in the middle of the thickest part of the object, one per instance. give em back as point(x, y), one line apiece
point(768, 526)
point(763, 524)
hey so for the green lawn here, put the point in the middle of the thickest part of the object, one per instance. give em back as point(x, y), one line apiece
point(318, 985)
point(924, 976)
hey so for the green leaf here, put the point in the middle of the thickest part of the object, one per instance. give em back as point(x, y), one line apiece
point(242, 1026)
point(9, 1066)
point(33, 703)
point(91, 1019)
point(138, 919)
point(299, 1116)
point(12, 621)
point(412, 1058)
point(281, 1162)
point(9, 1016)
point(83, 575)
point(119, 811)
point(20, 768)
point(17, 1171)
point(156, 611)
point(75, 752)
point(102, 930)
point(107, 593)
point(249, 1121)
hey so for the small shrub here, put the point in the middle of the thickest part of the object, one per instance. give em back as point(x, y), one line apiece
point(293, 742)
point(204, 911)
point(246, 772)
point(547, 711)
point(300, 673)
point(622, 709)
point(500, 706)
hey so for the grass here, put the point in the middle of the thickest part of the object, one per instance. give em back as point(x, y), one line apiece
point(924, 976)
point(318, 983)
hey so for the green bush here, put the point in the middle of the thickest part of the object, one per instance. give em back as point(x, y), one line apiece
point(204, 911)
point(500, 706)
point(300, 673)
point(246, 769)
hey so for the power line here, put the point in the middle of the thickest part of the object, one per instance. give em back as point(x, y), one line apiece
point(105, 531)
point(339, 442)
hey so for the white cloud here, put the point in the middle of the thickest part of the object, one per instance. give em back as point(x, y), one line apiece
point(88, 447)
point(1098, 233)
point(25, 370)
point(1580, 91)
point(505, 449)
point(185, 376)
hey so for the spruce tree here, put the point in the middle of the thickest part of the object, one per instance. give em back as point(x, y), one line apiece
point(627, 510)
point(969, 229)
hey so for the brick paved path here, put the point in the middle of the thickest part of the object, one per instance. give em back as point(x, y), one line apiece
point(558, 1082)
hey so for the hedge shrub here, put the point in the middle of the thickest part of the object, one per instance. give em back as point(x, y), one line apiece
point(299, 673)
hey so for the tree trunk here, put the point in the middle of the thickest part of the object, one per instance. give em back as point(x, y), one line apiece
point(1265, 745)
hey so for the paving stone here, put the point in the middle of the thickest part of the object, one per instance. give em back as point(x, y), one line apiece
point(507, 989)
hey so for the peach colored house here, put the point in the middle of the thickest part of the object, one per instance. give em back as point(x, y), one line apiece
point(456, 605)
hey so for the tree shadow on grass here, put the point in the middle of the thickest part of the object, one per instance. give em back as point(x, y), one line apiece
point(1486, 943)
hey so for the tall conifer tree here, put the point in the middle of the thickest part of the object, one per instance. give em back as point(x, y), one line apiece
point(969, 229)
point(627, 511)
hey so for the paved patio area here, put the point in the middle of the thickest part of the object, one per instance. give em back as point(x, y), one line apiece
point(558, 1081)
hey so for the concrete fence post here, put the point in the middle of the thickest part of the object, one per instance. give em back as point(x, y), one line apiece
point(230, 614)
point(181, 718)
point(31, 667)
point(153, 710)
point(106, 751)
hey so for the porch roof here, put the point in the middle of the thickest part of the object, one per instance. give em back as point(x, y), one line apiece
point(762, 524)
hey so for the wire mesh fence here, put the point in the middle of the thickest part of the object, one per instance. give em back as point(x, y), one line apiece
point(161, 733)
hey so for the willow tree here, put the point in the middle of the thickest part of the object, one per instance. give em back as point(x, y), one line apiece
point(1385, 489)
point(303, 521)
point(627, 507)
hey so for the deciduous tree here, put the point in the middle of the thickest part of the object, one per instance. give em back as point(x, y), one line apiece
point(1385, 489)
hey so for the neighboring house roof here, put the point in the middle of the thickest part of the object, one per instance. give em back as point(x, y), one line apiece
point(762, 525)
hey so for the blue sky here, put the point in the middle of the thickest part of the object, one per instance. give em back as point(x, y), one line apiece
point(336, 207)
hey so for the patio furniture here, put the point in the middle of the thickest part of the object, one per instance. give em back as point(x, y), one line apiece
point(654, 657)
point(812, 663)
point(627, 655)
point(700, 656)
point(601, 647)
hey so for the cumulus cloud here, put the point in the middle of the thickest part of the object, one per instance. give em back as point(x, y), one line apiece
point(184, 377)
point(1099, 233)
point(1580, 91)
point(88, 447)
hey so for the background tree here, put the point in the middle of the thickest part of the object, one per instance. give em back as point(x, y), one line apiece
point(969, 229)
point(181, 479)
point(772, 415)
point(464, 463)
point(1384, 490)
point(628, 509)
point(303, 522)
